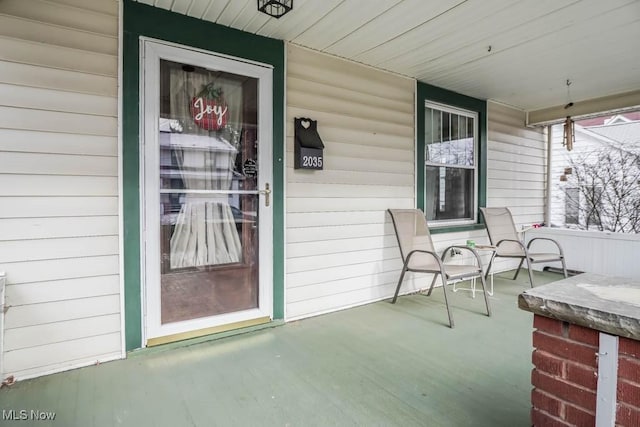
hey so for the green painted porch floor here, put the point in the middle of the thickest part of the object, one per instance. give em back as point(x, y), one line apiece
point(378, 364)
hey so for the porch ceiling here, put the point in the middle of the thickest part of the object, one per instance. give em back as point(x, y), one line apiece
point(519, 53)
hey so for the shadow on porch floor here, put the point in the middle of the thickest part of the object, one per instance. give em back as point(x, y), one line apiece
point(378, 364)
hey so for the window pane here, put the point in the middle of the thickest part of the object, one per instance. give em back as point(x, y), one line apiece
point(429, 131)
point(446, 126)
point(571, 206)
point(435, 150)
point(449, 138)
point(455, 127)
point(463, 127)
point(449, 193)
point(470, 142)
point(437, 127)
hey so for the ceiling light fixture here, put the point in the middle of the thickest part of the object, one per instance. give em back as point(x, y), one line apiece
point(275, 8)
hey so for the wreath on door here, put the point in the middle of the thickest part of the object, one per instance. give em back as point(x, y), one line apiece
point(209, 108)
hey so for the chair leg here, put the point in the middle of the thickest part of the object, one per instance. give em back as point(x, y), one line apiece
point(433, 282)
point(484, 291)
point(529, 271)
point(446, 301)
point(564, 268)
point(518, 269)
point(493, 255)
point(395, 296)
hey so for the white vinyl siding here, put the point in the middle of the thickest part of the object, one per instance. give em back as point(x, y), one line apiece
point(59, 230)
point(340, 247)
point(517, 158)
point(341, 250)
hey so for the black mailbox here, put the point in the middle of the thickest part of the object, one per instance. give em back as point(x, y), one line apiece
point(308, 145)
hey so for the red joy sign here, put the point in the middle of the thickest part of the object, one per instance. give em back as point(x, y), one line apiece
point(208, 113)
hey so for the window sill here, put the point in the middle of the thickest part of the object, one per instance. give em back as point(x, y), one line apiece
point(456, 228)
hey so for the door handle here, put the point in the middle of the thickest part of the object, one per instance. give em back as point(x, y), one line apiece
point(267, 194)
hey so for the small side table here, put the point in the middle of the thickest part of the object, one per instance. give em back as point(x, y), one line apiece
point(479, 248)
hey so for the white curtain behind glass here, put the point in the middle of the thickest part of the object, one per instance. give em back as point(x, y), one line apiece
point(205, 231)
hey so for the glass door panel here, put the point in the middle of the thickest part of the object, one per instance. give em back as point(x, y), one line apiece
point(208, 233)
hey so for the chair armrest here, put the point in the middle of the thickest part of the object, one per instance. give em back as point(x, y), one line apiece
point(510, 240)
point(548, 239)
point(522, 246)
point(433, 254)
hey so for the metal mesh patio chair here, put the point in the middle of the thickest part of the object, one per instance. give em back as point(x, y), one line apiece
point(504, 236)
point(419, 255)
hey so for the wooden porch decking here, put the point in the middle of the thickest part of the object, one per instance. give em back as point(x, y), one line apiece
point(379, 364)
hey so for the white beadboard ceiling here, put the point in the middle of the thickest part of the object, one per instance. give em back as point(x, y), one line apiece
point(518, 52)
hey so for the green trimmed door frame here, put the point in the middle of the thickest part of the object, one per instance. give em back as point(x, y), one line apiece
point(142, 20)
point(426, 92)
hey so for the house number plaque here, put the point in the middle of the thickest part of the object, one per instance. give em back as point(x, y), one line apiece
point(308, 149)
point(310, 158)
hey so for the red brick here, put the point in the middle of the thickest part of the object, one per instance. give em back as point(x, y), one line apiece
point(548, 363)
point(629, 393)
point(547, 324)
point(627, 416)
point(629, 347)
point(629, 369)
point(564, 391)
point(578, 417)
point(542, 419)
point(570, 350)
point(582, 375)
point(584, 335)
point(547, 403)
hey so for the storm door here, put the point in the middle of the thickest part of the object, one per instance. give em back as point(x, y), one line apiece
point(206, 157)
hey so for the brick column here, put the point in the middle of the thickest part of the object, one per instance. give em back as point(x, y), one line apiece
point(628, 408)
point(566, 388)
point(565, 376)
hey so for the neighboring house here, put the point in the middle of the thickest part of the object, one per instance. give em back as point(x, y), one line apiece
point(608, 148)
point(112, 241)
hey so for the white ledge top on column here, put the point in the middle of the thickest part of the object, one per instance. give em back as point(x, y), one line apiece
point(607, 304)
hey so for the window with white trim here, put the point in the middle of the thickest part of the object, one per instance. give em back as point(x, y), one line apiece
point(451, 172)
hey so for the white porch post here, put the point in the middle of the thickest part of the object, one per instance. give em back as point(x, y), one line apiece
point(547, 208)
point(606, 398)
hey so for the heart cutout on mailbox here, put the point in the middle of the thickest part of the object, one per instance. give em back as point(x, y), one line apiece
point(305, 123)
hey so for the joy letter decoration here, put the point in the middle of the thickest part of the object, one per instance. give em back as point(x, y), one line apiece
point(209, 109)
